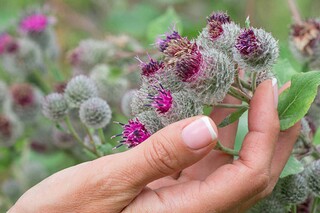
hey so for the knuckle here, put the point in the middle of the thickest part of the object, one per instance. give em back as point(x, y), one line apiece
point(160, 155)
point(261, 180)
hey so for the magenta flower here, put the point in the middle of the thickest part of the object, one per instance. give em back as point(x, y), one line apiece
point(164, 43)
point(22, 94)
point(247, 43)
point(162, 102)
point(219, 17)
point(34, 23)
point(7, 44)
point(149, 69)
point(215, 29)
point(134, 133)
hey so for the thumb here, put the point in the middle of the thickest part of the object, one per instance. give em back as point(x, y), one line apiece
point(170, 150)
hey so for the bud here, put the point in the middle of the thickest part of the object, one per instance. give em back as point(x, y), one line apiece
point(111, 88)
point(312, 174)
point(163, 44)
point(162, 101)
point(10, 129)
point(80, 89)
point(139, 101)
point(95, 113)
point(8, 44)
point(304, 42)
point(255, 50)
point(293, 189)
point(217, 75)
point(34, 23)
point(151, 121)
point(134, 133)
point(25, 101)
point(126, 102)
point(55, 107)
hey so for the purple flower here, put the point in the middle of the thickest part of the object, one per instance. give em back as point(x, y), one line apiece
point(149, 69)
point(22, 94)
point(188, 66)
point(162, 102)
point(247, 43)
point(7, 44)
point(219, 17)
point(34, 23)
point(164, 43)
point(215, 29)
point(134, 133)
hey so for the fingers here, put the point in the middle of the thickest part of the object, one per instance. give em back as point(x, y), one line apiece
point(170, 150)
point(259, 144)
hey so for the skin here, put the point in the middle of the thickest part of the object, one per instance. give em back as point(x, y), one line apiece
point(164, 175)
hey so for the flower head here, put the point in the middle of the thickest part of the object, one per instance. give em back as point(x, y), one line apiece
point(188, 66)
point(22, 95)
point(247, 43)
point(34, 23)
point(55, 106)
point(5, 127)
point(164, 43)
point(219, 17)
point(150, 68)
point(162, 101)
point(134, 133)
point(7, 44)
point(215, 29)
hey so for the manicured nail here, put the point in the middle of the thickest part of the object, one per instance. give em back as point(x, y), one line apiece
point(199, 133)
point(275, 91)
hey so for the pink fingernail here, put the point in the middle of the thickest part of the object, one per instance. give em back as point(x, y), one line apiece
point(275, 91)
point(199, 133)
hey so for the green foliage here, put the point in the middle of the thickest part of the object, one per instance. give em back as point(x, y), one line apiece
point(295, 103)
point(292, 167)
point(233, 117)
point(316, 138)
point(163, 24)
point(284, 71)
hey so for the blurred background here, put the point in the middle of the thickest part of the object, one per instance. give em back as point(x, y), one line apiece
point(130, 27)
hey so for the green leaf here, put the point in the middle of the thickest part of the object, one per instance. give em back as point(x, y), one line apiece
point(295, 103)
point(316, 138)
point(233, 117)
point(163, 24)
point(292, 167)
point(284, 71)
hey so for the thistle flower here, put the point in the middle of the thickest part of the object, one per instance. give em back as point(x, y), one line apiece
point(95, 113)
point(111, 88)
point(55, 107)
point(151, 121)
point(10, 129)
point(304, 41)
point(134, 133)
point(25, 59)
point(162, 102)
point(7, 44)
point(293, 189)
point(268, 205)
point(216, 76)
point(80, 89)
point(25, 101)
point(89, 53)
point(34, 23)
point(219, 16)
point(312, 174)
point(162, 44)
point(255, 50)
point(126, 102)
point(150, 68)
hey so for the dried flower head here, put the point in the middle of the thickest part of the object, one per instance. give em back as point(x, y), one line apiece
point(80, 89)
point(162, 44)
point(34, 23)
point(55, 107)
point(134, 133)
point(95, 113)
point(255, 50)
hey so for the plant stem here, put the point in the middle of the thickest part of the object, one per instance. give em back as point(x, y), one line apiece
point(91, 139)
point(74, 134)
point(294, 11)
point(245, 84)
point(315, 205)
point(239, 94)
point(226, 150)
point(101, 135)
point(231, 105)
point(43, 85)
point(254, 81)
point(294, 209)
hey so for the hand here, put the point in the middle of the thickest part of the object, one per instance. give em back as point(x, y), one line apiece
point(176, 169)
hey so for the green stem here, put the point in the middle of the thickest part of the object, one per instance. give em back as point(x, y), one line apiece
point(101, 135)
point(74, 134)
point(315, 205)
point(91, 139)
point(43, 85)
point(231, 105)
point(254, 81)
point(224, 149)
point(54, 70)
point(245, 84)
point(242, 96)
point(293, 209)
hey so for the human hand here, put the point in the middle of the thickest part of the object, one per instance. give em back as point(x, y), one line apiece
point(176, 170)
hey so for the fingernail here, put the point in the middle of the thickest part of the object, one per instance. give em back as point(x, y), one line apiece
point(275, 91)
point(199, 133)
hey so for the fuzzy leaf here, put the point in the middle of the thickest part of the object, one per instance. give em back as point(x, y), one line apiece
point(316, 138)
point(284, 71)
point(233, 117)
point(295, 103)
point(292, 167)
point(163, 24)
